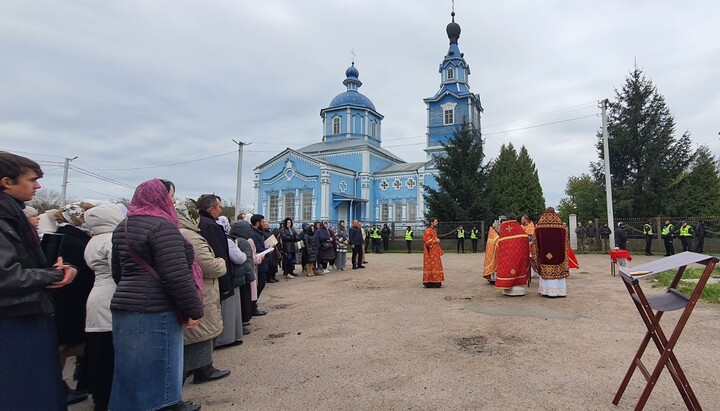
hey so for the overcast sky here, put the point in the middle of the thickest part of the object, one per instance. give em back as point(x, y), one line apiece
point(129, 85)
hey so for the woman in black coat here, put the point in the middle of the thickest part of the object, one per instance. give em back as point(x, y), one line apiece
point(326, 247)
point(289, 237)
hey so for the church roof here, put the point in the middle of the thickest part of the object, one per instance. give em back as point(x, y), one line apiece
point(404, 167)
point(352, 98)
point(331, 147)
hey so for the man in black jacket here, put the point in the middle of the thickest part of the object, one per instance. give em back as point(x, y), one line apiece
point(210, 207)
point(30, 375)
point(356, 242)
point(257, 221)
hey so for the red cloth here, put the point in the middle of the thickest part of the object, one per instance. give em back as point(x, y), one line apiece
point(572, 260)
point(432, 262)
point(513, 266)
point(615, 254)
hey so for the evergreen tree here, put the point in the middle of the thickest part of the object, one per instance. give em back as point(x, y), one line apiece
point(513, 185)
point(645, 155)
point(697, 191)
point(460, 179)
point(585, 197)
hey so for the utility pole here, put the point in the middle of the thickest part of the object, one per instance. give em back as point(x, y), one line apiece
point(608, 186)
point(239, 175)
point(65, 180)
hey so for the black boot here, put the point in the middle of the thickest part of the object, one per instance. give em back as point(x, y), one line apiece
point(183, 406)
point(209, 373)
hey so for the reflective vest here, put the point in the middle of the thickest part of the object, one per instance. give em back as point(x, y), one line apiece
point(461, 234)
point(474, 234)
point(685, 231)
point(375, 233)
point(667, 230)
point(647, 229)
point(408, 235)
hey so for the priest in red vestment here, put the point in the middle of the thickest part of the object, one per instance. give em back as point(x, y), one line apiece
point(490, 266)
point(433, 274)
point(513, 265)
point(550, 254)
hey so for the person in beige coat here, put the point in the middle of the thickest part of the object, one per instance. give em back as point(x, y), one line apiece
point(198, 352)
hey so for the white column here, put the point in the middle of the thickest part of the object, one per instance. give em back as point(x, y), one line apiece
point(572, 223)
point(256, 186)
point(324, 193)
point(314, 205)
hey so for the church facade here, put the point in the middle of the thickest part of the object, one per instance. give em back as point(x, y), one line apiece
point(348, 175)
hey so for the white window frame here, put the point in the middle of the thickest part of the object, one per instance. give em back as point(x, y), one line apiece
point(289, 205)
point(306, 206)
point(336, 125)
point(273, 207)
point(450, 74)
point(373, 129)
point(397, 209)
point(411, 211)
point(384, 211)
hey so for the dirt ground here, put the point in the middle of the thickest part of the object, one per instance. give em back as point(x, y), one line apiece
point(376, 339)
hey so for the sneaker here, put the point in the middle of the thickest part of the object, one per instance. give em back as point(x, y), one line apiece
point(290, 276)
point(325, 271)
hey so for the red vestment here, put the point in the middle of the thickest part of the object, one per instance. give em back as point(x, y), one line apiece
point(432, 263)
point(513, 256)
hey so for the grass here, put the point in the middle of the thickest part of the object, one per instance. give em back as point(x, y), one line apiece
point(710, 294)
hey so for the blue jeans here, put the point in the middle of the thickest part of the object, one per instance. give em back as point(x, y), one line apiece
point(148, 360)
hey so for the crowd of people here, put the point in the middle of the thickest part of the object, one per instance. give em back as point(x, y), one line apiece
point(141, 296)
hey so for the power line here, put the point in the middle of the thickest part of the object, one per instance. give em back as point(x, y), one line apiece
point(166, 165)
point(577, 107)
point(34, 154)
point(101, 177)
point(94, 191)
point(539, 125)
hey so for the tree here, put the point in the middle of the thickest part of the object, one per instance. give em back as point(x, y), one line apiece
point(585, 197)
point(513, 184)
point(47, 199)
point(696, 192)
point(460, 179)
point(645, 155)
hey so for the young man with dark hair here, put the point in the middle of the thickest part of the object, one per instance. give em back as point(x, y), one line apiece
point(30, 374)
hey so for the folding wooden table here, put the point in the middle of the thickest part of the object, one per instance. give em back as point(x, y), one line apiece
point(651, 309)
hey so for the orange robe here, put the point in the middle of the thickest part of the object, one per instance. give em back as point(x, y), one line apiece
point(513, 267)
point(432, 262)
point(490, 254)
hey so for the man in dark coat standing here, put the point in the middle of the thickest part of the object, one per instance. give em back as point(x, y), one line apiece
point(30, 374)
point(210, 207)
point(257, 221)
point(356, 242)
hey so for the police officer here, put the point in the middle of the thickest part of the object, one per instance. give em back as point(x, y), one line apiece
point(461, 239)
point(474, 235)
point(375, 236)
point(667, 233)
point(409, 238)
point(686, 234)
point(648, 233)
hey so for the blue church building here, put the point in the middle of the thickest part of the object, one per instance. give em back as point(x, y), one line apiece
point(348, 175)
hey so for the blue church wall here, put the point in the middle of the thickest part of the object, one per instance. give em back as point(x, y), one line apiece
point(439, 131)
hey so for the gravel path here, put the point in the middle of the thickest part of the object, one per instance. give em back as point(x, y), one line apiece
point(376, 339)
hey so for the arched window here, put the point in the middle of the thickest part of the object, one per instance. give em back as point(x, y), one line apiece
point(450, 74)
point(336, 125)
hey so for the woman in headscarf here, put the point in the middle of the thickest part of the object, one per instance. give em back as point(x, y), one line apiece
point(152, 264)
point(310, 251)
point(326, 247)
point(341, 244)
point(231, 307)
point(70, 301)
point(99, 355)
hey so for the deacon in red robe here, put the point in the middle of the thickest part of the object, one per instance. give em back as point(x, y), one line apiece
point(433, 274)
